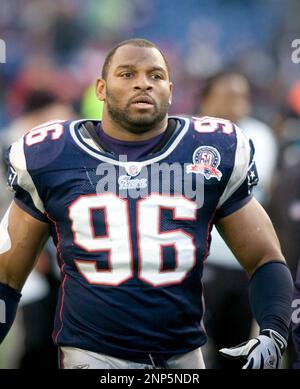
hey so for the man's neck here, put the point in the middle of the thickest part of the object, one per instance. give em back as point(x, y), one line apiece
point(115, 131)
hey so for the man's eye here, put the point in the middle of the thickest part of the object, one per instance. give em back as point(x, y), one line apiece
point(157, 76)
point(127, 75)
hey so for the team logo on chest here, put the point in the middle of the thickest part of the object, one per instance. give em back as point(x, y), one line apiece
point(127, 182)
point(206, 160)
point(130, 180)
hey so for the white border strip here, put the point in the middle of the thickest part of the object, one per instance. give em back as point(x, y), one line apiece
point(18, 161)
point(241, 165)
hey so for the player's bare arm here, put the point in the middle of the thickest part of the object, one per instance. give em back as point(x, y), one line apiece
point(22, 239)
point(26, 237)
point(250, 235)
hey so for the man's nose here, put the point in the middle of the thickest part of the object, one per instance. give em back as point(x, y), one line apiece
point(143, 82)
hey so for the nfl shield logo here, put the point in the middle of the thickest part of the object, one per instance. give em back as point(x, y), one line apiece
point(133, 169)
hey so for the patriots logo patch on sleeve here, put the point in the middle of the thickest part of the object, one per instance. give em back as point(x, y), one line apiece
point(11, 178)
point(252, 175)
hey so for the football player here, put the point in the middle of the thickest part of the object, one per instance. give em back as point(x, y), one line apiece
point(131, 243)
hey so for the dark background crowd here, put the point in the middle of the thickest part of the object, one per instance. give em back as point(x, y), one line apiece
point(229, 58)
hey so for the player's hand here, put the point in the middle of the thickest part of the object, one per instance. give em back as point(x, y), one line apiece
point(263, 352)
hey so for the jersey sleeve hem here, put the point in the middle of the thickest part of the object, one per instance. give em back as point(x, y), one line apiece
point(30, 211)
point(223, 212)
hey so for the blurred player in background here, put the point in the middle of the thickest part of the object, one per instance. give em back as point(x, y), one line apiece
point(131, 244)
point(296, 319)
point(285, 202)
point(38, 304)
point(228, 314)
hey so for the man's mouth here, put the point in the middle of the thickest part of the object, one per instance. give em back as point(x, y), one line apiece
point(143, 102)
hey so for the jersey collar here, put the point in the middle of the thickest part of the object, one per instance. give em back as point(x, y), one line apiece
point(91, 148)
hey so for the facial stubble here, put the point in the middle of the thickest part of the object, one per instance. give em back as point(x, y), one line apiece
point(136, 123)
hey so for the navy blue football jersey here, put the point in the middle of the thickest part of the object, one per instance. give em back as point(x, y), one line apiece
point(132, 236)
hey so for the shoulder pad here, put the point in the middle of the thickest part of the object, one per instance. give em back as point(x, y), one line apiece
point(18, 174)
point(43, 144)
point(222, 132)
point(209, 124)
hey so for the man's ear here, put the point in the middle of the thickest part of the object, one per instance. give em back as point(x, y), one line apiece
point(171, 93)
point(101, 89)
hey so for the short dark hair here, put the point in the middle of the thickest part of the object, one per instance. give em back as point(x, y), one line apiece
point(210, 82)
point(131, 42)
point(38, 99)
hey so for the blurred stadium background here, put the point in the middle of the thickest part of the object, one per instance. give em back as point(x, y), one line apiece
point(55, 50)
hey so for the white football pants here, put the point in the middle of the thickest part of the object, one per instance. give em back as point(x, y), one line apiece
point(75, 358)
